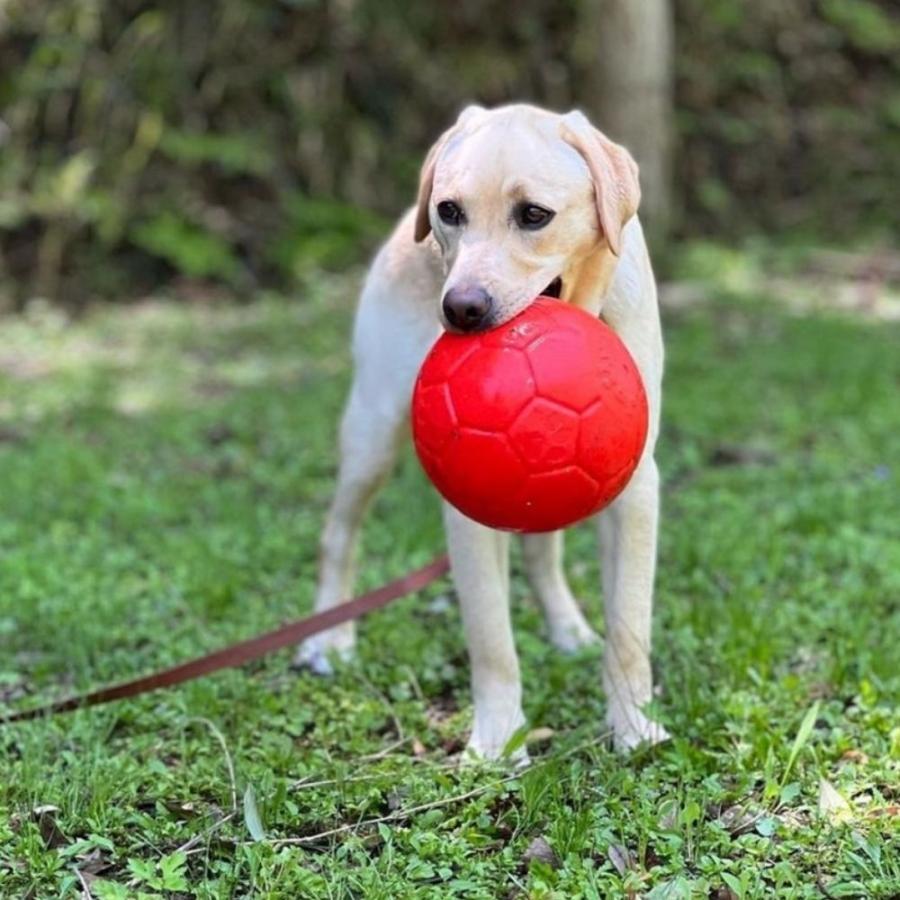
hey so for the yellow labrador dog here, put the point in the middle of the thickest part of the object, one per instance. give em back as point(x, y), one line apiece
point(513, 202)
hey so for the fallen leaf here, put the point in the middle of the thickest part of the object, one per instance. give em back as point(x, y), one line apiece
point(738, 820)
point(45, 817)
point(855, 756)
point(541, 851)
point(620, 858)
point(87, 880)
point(886, 811)
point(832, 805)
point(93, 863)
point(723, 892)
point(251, 815)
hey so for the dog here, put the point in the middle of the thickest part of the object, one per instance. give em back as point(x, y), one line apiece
point(513, 202)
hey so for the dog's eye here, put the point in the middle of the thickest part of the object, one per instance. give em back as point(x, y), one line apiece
point(450, 213)
point(532, 217)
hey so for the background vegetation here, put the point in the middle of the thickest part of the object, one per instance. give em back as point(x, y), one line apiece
point(249, 143)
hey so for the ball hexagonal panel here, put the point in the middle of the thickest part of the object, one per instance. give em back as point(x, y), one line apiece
point(545, 435)
point(564, 368)
point(490, 388)
point(480, 471)
point(611, 437)
point(555, 499)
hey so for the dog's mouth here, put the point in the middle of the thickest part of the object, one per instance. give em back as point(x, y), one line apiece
point(554, 289)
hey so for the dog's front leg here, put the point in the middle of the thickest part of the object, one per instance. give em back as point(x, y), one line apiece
point(628, 536)
point(479, 558)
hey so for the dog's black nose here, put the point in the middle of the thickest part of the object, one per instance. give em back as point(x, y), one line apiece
point(468, 308)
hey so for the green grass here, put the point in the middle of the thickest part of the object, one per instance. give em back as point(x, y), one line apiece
point(165, 470)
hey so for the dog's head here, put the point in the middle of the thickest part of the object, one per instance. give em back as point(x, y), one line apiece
point(519, 199)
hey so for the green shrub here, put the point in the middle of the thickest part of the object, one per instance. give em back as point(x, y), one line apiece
point(238, 141)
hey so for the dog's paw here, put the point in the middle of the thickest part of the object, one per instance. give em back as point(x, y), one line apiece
point(631, 729)
point(497, 739)
point(321, 652)
point(572, 636)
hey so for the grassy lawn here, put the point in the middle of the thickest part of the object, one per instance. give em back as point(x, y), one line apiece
point(165, 470)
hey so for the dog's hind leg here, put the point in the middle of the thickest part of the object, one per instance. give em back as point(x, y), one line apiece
point(543, 558)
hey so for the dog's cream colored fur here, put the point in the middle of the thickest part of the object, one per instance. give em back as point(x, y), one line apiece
point(488, 161)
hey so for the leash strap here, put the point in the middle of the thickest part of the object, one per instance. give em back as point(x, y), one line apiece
point(245, 651)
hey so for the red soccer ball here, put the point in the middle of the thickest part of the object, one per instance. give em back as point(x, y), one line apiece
point(533, 425)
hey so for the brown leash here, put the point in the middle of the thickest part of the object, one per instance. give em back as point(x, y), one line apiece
point(245, 651)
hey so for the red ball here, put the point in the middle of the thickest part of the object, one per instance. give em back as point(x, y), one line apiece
point(533, 425)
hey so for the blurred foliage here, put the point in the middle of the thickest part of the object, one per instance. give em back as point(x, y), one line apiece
point(239, 140)
point(788, 116)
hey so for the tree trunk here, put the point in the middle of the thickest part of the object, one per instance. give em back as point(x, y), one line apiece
point(625, 47)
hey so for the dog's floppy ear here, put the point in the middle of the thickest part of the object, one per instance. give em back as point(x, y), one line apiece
point(426, 177)
point(615, 175)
